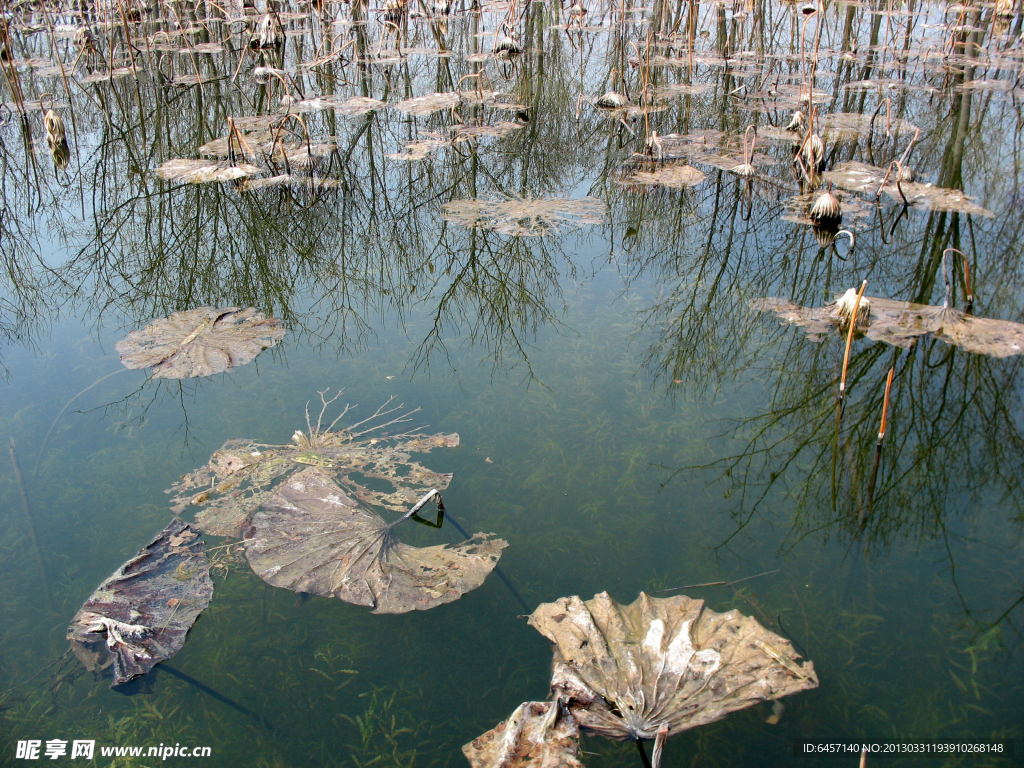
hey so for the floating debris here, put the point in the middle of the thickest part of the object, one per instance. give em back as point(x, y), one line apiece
point(200, 342)
point(526, 216)
point(139, 616)
point(311, 537)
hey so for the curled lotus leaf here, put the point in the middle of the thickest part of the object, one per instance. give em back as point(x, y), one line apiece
point(530, 216)
point(538, 734)
point(243, 474)
point(628, 671)
point(901, 323)
point(140, 615)
point(199, 342)
point(311, 537)
point(198, 171)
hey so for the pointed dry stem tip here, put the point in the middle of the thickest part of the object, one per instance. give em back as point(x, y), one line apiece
point(849, 338)
point(967, 277)
point(885, 406)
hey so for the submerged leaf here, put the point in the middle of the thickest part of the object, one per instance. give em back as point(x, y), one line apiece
point(900, 323)
point(199, 342)
point(538, 734)
point(626, 671)
point(526, 216)
point(139, 616)
point(310, 537)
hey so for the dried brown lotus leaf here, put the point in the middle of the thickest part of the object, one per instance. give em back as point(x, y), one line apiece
point(196, 171)
point(674, 176)
point(901, 323)
point(243, 474)
point(311, 537)
point(625, 671)
point(538, 734)
point(526, 216)
point(421, 106)
point(140, 615)
point(199, 342)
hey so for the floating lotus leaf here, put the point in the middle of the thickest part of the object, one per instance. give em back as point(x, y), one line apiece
point(315, 183)
point(243, 474)
point(139, 616)
point(421, 106)
point(419, 149)
point(674, 176)
point(627, 671)
point(861, 177)
point(539, 734)
point(197, 171)
point(310, 537)
point(199, 342)
point(500, 128)
point(838, 126)
point(356, 106)
point(900, 323)
point(526, 216)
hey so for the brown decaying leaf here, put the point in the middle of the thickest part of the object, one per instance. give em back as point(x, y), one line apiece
point(139, 616)
point(243, 474)
point(626, 671)
point(901, 323)
point(538, 734)
point(199, 342)
point(310, 537)
point(526, 216)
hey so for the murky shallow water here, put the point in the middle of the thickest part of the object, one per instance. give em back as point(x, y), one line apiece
point(627, 422)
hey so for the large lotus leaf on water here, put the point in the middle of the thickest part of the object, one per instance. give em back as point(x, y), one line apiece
point(539, 734)
point(199, 342)
point(901, 323)
point(243, 474)
point(627, 670)
point(139, 616)
point(526, 216)
point(861, 177)
point(310, 537)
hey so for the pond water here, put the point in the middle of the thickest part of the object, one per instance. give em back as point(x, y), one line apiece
point(573, 290)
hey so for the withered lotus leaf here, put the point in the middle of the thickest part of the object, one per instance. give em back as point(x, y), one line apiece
point(243, 474)
point(526, 216)
point(538, 734)
point(626, 671)
point(199, 342)
point(310, 537)
point(139, 616)
point(901, 323)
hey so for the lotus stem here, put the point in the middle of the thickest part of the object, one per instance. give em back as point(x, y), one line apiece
point(645, 761)
point(849, 339)
point(885, 406)
point(967, 277)
point(32, 527)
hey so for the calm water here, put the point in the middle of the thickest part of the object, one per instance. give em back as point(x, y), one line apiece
point(627, 422)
